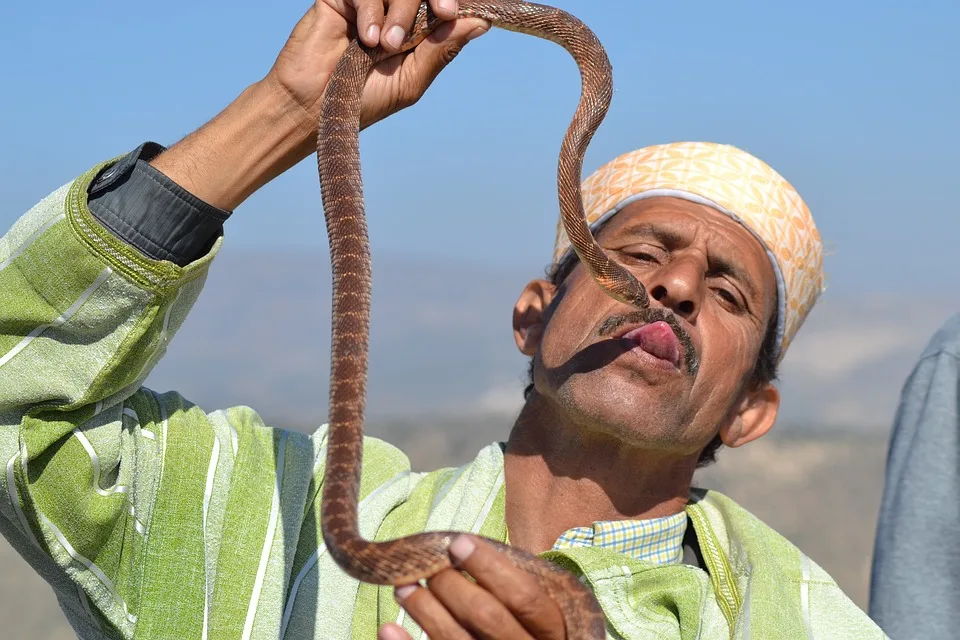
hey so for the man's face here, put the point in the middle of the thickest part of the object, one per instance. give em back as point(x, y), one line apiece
point(616, 371)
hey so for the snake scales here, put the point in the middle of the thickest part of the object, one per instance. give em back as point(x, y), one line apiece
point(408, 560)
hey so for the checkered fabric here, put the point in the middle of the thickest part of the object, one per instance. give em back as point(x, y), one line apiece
point(658, 540)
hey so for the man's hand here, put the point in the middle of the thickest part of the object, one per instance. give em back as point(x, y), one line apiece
point(272, 125)
point(307, 61)
point(505, 602)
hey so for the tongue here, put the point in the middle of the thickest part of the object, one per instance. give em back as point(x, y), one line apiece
point(656, 339)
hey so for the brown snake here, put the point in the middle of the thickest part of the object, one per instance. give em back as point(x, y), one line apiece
point(408, 560)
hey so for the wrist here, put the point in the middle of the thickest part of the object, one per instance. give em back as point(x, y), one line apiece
point(257, 137)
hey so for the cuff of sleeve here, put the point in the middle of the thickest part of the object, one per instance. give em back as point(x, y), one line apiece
point(152, 213)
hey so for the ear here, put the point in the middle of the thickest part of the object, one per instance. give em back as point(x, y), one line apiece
point(529, 315)
point(755, 417)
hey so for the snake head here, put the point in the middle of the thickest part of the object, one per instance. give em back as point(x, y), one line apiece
point(425, 23)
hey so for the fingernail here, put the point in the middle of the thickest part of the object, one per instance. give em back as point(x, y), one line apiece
point(395, 36)
point(462, 548)
point(373, 33)
point(401, 593)
point(450, 6)
point(476, 33)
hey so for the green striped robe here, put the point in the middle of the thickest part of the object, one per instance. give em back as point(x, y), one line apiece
point(151, 518)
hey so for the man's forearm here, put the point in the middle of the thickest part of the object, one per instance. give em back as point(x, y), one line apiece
point(257, 137)
point(171, 204)
point(151, 212)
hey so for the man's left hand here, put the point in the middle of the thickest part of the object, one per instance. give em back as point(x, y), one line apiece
point(504, 602)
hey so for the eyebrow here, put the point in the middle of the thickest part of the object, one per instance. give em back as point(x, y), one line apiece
point(720, 265)
point(662, 233)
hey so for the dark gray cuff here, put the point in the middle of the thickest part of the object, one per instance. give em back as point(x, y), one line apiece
point(151, 212)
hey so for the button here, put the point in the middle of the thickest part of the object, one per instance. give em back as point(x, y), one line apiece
point(104, 179)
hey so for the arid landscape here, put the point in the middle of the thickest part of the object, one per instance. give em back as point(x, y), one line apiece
point(446, 380)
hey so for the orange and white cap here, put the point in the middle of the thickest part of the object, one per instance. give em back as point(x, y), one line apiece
point(735, 183)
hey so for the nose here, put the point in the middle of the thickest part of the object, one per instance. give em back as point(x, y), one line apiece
point(679, 286)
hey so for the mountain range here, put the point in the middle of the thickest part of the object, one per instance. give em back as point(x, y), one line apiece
point(442, 345)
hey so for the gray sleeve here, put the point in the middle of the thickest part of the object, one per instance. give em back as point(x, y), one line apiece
point(151, 212)
point(915, 584)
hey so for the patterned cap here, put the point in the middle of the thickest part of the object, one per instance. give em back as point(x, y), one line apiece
point(735, 183)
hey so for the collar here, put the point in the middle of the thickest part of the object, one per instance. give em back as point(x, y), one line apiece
point(656, 540)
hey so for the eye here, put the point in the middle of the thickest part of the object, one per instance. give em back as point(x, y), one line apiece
point(726, 295)
point(642, 254)
point(729, 297)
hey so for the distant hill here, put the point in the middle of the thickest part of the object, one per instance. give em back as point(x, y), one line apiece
point(446, 380)
point(442, 344)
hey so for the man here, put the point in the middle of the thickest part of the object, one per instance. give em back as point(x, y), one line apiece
point(152, 518)
point(916, 565)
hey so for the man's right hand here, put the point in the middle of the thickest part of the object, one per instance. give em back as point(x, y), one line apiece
point(310, 55)
point(272, 125)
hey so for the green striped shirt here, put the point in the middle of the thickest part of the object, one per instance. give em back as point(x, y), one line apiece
point(152, 518)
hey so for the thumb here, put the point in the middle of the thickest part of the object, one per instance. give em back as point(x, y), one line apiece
point(428, 59)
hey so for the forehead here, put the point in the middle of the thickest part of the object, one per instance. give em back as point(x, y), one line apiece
point(680, 222)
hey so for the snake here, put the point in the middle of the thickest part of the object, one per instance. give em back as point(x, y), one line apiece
point(418, 557)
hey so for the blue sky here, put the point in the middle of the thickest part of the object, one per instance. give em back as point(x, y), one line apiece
point(855, 103)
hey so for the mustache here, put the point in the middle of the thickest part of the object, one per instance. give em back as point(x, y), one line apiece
point(690, 359)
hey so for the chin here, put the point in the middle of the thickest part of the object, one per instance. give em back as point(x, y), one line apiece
point(634, 414)
point(649, 433)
